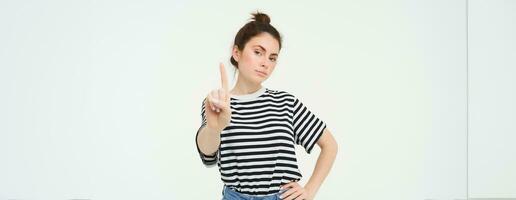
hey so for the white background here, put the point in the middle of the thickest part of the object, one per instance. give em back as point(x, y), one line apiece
point(492, 109)
point(101, 99)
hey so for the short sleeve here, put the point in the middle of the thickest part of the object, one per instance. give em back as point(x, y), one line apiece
point(208, 160)
point(308, 128)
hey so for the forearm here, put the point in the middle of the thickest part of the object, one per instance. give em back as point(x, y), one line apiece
point(322, 167)
point(208, 140)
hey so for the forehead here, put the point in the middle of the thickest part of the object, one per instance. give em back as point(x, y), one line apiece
point(265, 40)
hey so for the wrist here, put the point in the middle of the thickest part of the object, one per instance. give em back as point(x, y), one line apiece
point(312, 189)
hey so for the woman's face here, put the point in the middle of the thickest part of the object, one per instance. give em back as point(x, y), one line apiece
point(258, 58)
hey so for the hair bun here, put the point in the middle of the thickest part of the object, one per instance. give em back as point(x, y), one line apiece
point(261, 18)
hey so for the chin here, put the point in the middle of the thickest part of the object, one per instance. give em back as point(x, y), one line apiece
point(256, 79)
point(260, 79)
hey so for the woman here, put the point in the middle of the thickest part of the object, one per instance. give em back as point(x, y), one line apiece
point(250, 131)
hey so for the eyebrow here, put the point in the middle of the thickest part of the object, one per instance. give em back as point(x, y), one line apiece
point(261, 47)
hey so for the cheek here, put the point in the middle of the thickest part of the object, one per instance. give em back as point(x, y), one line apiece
point(272, 67)
point(249, 60)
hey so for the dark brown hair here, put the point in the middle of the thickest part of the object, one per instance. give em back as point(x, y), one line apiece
point(260, 24)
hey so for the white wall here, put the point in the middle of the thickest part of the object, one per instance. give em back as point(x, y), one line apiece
point(101, 100)
point(492, 89)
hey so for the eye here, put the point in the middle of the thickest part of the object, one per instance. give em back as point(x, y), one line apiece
point(273, 59)
point(257, 52)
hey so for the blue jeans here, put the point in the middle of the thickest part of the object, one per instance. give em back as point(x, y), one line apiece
point(230, 194)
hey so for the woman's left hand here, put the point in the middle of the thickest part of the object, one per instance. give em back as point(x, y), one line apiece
point(294, 191)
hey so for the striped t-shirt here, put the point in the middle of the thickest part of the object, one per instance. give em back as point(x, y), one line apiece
point(256, 153)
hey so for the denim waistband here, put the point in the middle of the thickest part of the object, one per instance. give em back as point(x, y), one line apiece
point(231, 194)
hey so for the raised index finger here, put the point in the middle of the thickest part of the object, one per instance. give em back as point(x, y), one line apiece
point(223, 77)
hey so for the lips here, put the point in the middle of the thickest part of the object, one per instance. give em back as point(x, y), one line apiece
point(261, 73)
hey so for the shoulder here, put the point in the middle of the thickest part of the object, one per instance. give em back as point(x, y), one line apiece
point(280, 94)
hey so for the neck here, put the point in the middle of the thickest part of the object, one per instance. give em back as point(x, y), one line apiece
point(243, 87)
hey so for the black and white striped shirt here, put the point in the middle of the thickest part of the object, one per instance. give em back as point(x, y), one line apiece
point(256, 153)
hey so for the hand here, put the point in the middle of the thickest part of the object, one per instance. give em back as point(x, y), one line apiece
point(295, 191)
point(218, 111)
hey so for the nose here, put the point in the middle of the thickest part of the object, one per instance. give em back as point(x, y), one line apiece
point(265, 63)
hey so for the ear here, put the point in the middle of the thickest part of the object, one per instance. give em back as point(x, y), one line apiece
point(236, 53)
